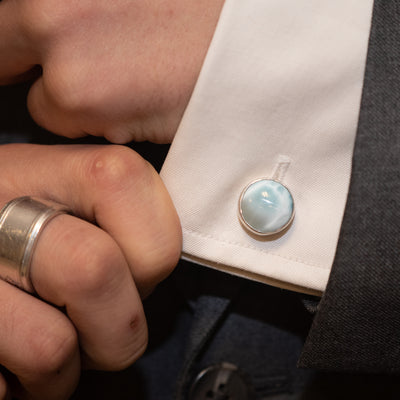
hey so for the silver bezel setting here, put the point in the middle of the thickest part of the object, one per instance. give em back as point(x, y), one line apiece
point(251, 229)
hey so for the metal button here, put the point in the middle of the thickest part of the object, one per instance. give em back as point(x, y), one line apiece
point(220, 382)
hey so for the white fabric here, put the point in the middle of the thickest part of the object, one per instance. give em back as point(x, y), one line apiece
point(282, 80)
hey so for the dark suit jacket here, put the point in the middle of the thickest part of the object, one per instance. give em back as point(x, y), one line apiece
point(357, 326)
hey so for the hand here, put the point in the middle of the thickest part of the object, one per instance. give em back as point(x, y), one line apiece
point(124, 69)
point(94, 271)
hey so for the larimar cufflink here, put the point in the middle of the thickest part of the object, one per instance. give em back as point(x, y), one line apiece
point(266, 207)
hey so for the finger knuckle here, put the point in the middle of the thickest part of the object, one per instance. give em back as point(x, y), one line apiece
point(96, 264)
point(64, 88)
point(54, 347)
point(113, 168)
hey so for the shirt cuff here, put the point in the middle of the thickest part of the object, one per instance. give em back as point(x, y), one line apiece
point(282, 80)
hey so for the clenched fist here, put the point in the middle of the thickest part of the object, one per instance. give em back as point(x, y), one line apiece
point(122, 69)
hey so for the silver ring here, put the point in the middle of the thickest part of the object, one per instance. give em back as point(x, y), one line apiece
point(21, 222)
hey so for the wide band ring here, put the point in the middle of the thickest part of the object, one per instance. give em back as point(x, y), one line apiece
point(21, 222)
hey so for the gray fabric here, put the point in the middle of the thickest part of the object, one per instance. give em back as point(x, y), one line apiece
point(199, 318)
point(257, 328)
point(357, 326)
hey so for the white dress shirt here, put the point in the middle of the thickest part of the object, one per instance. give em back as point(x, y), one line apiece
point(278, 96)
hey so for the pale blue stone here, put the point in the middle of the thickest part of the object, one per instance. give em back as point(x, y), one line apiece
point(266, 206)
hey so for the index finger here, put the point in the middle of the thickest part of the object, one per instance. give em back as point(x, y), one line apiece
point(16, 54)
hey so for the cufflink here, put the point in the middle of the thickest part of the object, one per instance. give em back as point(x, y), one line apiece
point(266, 207)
